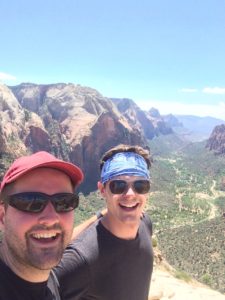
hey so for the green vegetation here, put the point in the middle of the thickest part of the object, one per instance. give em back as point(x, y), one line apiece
point(185, 205)
point(197, 249)
point(207, 279)
point(184, 181)
point(88, 206)
point(13, 141)
point(220, 202)
point(27, 115)
point(182, 275)
point(154, 242)
point(5, 160)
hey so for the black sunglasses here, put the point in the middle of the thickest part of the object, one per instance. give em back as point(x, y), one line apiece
point(35, 202)
point(122, 186)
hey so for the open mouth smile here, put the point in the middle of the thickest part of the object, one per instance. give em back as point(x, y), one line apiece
point(129, 207)
point(45, 237)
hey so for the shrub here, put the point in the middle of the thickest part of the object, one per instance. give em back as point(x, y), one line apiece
point(154, 242)
point(207, 279)
point(182, 275)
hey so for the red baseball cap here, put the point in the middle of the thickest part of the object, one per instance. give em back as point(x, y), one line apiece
point(39, 159)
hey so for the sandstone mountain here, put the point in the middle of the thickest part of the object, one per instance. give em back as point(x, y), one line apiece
point(73, 122)
point(216, 141)
point(149, 123)
point(16, 125)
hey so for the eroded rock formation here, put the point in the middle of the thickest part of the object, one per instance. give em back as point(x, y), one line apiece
point(73, 122)
point(216, 141)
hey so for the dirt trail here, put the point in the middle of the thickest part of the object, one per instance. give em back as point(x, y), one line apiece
point(215, 192)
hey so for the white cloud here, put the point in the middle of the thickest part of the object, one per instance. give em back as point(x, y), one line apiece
point(4, 76)
point(216, 110)
point(188, 90)
point(206, 90)
point(214, 90)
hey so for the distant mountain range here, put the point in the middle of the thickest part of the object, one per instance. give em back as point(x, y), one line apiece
point(196, 128)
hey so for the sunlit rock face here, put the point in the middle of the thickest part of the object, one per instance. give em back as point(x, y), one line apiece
point(216, 141)
point(74, 123)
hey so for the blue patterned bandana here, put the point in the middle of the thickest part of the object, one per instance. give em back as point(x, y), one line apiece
point(124, 163)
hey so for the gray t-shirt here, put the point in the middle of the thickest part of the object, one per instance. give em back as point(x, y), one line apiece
point(98, 265)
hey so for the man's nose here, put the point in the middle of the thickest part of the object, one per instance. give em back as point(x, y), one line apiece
point(49, 216)
point(130, 190)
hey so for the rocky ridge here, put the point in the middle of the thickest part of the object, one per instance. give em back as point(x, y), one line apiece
point(73, 122)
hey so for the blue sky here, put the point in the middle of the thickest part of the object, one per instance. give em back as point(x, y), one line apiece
point(164, 54)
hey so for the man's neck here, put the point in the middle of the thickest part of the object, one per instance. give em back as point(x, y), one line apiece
point(122, 230)
point(27, 273)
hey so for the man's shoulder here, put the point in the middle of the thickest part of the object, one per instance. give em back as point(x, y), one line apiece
point(85, 241)
point(146, 221)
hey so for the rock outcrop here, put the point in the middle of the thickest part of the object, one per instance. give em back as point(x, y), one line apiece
point(165, 286)
point(17, 126)
point(216, 141)
point(168, 283)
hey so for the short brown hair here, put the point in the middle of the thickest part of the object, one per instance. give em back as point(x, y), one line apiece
point(145, 153)
point(5, 192)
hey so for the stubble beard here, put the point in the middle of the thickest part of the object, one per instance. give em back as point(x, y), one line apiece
point(26, 255)
point(44, 258)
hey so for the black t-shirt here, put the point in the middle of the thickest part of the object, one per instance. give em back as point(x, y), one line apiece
point(13, 287)
point(98, 265)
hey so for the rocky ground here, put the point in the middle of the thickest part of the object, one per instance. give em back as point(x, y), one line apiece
point(165, 286)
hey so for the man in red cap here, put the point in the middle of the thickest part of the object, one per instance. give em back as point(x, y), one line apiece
point(36, 219)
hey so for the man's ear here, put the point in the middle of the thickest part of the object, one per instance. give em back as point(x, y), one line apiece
point(2, 216)
point(101, 188)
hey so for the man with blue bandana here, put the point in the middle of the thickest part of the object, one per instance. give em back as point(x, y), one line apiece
point(113, 258)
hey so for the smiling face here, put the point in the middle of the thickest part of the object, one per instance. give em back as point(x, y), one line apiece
point(36, 240)
point(124, 210)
